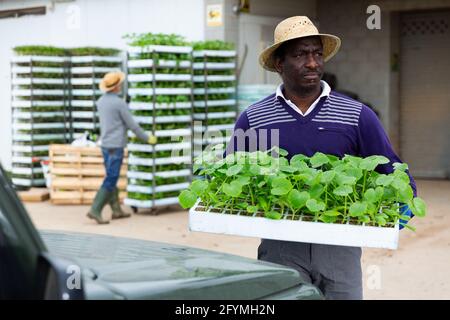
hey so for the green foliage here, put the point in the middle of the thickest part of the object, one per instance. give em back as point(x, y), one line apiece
point(93, 51)
point(212, 45)
point(324, 187)
point(40, 51)
point(55, 51)
point(146, 39)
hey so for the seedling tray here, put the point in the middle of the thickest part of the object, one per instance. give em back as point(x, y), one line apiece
point(215, 90)
point(214, 53)
point(160, 48)
point(150, 203)
point(157, 189)
point(214, 78)
point(215, 103)
point(148, 63)
point(213, 65)
point(217, 221)
point(159, 106)
point(163, 174)
point(158, 77)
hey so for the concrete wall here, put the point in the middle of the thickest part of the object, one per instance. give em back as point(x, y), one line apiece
point(88, 22)
point(363, 64)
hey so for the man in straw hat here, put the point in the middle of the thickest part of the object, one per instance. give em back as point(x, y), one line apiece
point(304, 117)
point(115, 119)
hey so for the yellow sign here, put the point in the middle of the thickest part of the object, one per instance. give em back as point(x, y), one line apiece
point(214, 15)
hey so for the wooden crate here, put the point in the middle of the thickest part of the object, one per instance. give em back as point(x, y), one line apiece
point(34, 195)
point(78, 172)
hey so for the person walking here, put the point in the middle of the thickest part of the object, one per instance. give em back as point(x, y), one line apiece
point(115, 119)
point(307, 117)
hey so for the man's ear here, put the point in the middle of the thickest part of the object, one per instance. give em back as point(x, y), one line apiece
point(278, 64)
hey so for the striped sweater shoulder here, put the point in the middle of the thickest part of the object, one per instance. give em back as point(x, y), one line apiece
point(267, 111)
point(340, 109)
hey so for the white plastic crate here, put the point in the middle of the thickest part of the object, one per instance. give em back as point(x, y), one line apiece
point(214, 53)
point(29, 59)
point(158, 77)
point(214, 78)
point(159, 106)
point(157, 189)
point(83, 103)
point(88, 59)
point(29, 81)
point(160, 48)
point(214, 127)
point(38, 114)
point(85, 81)
point(214, 90)
point(40, 125)
point(163, 119)
point(166, 133)
point(150, 203)
point(34, 103)
point(29, 137)
point(157, 147)
point(213, 65)
point(159, 91)
point(37, 92)
point(37, 70)
point(162, 174)
point(148, 63)
point(215, 103)
point(158, 161)
point(292, 230)
point(91, 70)
point(214, 115)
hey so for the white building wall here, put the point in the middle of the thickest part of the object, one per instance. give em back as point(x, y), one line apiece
point(100, 23)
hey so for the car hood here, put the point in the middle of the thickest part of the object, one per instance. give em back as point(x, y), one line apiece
point(125, 268)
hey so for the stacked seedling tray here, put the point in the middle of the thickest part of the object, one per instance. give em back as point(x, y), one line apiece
point(39, 87)
point(215, 103)
point(88, 66)
point(160, 91)
point(319, 199)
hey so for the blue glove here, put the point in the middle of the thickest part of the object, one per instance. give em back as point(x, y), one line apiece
point(406, 211)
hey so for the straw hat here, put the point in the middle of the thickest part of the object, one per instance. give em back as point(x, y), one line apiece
point(293, 28)
point(111, 80)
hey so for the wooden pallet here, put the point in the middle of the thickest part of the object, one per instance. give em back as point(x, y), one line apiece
point(77, 173)
point(34, 195)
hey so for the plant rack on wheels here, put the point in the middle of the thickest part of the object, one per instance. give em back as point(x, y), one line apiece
point(160, 90)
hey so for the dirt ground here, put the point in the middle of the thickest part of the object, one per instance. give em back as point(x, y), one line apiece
point(419, 269)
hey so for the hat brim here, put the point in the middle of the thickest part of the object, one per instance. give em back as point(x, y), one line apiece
point(103, 86)
point(331, 45)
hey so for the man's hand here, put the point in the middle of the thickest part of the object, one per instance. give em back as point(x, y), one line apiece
point(152, 139)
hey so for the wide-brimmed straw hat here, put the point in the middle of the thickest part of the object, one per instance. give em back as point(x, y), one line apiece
point(293, 28)
point(111, 80)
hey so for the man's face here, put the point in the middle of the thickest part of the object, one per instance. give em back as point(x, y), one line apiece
point(301, 64)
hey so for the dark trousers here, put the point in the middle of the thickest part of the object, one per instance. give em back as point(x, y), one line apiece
point(335, 270)
point(112, 159)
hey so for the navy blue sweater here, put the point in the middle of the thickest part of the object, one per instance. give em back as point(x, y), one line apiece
point(338, 125)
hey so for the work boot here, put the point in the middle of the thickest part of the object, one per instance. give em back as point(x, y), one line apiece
point(101, 199)
point(114, 202)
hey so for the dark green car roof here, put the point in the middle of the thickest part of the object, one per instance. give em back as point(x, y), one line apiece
point(124, 268)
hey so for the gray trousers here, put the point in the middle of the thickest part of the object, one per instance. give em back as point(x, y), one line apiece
point(335, 270)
